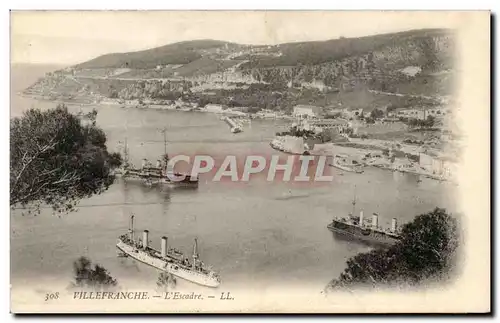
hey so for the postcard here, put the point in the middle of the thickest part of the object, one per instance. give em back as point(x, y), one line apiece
point(250, 162)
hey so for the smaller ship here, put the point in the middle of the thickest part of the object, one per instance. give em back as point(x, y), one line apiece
point(167, 259)
point(160, 174)
point(339, 161)
point(371, 233)
point(236, 130)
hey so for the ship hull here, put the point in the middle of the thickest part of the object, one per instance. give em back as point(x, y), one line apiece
point(157, 180)
point(367, 236)
point(347, 168)
point(170, 267)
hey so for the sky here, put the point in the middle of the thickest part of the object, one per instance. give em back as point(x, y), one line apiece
point(70, 37)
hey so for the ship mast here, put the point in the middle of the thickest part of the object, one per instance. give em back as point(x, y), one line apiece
point(125, 152)
point(165, 156)
point(195, 252)
point(131, 229)
point(164, 140)
point(354, 201)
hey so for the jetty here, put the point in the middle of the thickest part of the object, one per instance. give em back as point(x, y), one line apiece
point(234, 126)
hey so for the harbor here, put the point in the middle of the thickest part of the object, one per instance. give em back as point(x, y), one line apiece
point(253, 224)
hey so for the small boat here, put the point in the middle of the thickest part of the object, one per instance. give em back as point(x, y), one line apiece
point(236, 130)
point(348, 168)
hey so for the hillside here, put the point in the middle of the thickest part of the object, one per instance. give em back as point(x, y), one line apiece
point(292, 54)
point(318, 52)
point(178, 53)
point(352, 72)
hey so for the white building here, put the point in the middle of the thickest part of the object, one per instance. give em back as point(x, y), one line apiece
point(307, 111)
point(289, 144)
point(412, 114)
point(422, 113)
point(438, 165)
point(264, 113)
point(216, 108)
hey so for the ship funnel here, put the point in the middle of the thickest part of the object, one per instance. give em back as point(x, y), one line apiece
point(158, 163)
point(144, 162)
point(145, 239)
point(374, 220)
point(361, 218)
point(164, 246)
point(394, 225)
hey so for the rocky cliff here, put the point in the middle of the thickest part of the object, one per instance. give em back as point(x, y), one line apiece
point(429, 53)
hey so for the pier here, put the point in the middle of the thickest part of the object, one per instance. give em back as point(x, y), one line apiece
point(235, 127)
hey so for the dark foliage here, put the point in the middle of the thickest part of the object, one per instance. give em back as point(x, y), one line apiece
point(88, 277)
point(166, 281)
point(376, 114)
point(426, 251)
point(57, 159)
point(429, 122)
point(297, 132)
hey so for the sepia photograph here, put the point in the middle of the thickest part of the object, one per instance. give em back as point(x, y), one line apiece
point(249, 161)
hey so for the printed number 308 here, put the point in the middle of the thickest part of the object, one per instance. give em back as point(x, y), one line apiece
point(51, 296)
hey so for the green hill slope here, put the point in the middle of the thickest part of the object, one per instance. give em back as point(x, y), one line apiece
point(178, 53)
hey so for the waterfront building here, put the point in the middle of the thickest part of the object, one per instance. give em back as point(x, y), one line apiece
point(443, 166)
point(422, 113)
point(307, 111)
point(412, 113)
point(319, 125)
point(265, 113)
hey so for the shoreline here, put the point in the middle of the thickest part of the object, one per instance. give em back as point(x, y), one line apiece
point(323, 151)
point(313, 152)
point(154, 106)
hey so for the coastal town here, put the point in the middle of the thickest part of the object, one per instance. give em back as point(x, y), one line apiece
point(398, 132)
point(413, 140)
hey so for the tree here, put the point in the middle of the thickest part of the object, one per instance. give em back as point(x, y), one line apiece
point(390, 108)
point(426, 251)
point(86, 276)
point(429, 122)
point(166, 281)
point(57, 160)
point(376, 114)
point(370, 120)
point(412, 123)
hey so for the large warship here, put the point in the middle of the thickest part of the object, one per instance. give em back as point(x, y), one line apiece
point(167, 259)
point(153, 175)
point(159, 174)
point(358, 228)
